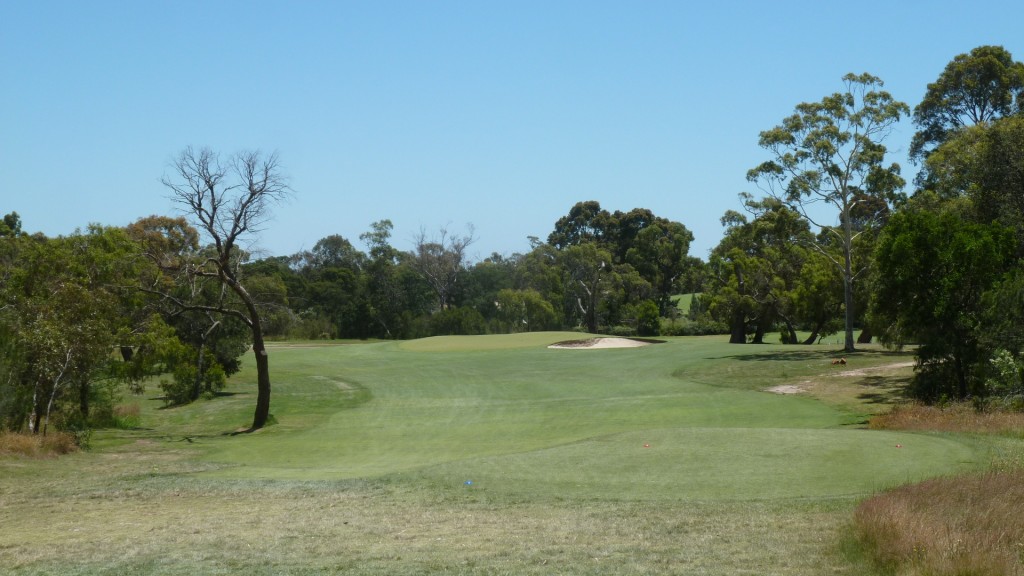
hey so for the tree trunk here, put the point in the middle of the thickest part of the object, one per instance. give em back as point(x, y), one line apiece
point(865, 336)
point(814, 333)
point(262, 414)
point(738, 328)
point(83, 399)
point(200, 370)
point(759, 333)
point(848, 300)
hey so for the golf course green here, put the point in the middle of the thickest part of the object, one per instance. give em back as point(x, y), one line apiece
point(431, 456)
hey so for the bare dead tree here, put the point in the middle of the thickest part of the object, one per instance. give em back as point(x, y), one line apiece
point(440, 260)
point(228, 203)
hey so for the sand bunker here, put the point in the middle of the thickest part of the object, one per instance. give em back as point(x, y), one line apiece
point(591, 343)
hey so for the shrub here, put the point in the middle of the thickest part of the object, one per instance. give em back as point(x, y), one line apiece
point(648, 320)
point(181, 388)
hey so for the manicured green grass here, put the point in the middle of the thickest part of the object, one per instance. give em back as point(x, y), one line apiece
point(482, 455)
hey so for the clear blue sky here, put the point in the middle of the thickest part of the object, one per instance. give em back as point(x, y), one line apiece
point(436, 113)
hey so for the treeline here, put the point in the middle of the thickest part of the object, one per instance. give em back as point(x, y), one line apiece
point(832, 244)
point(599, 271)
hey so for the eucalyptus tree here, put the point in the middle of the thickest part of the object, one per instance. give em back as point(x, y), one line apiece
point(441, 260)
point(827, 160)
point(934, 269)
point(64, 309)
point(228, 202)
point(985, 164)
point(654, 246)
point(974, 89)
point(757, 266)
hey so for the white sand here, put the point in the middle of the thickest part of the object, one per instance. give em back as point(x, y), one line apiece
point(592, 343)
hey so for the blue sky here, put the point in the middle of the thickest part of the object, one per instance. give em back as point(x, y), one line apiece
point(434, 113)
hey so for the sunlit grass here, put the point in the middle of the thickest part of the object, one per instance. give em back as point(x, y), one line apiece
point(491, 455)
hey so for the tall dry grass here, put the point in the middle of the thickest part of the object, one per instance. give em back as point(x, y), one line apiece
point(36, 445)
point(965, 525)
point(960, 417)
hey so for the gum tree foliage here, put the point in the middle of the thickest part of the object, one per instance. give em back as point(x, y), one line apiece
point(827, 159)
point(655, 247)
point(207, 343)
point(757, 269)
point(333, 285)
point(974, 89)
point(65, 309)
point(228, 202)
point(10, 225)
point(985, 164)
point(934, 267)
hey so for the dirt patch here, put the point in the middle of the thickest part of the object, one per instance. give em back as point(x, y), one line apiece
point(866, 371)
point(591, 343)
point(787, 389)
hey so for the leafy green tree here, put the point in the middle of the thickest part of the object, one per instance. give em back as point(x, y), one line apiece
point(830, 153)
point(483, 281)
point(757, 266)
point(64, 310)
point(588, 273)
point(586, 222)
point(229, 202)
point(985, 164)
point(206, 339)
point(818, 297)
point(653, 246)
point(933, 268)
point(524, 311)
point(10, 225)
point(974, 89)
point(396, 292)
point(659, 254)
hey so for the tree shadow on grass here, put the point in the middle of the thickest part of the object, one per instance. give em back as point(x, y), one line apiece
point(884, 389)
point(804, 355)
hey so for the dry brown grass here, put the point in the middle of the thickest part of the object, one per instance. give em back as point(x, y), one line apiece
point(948, 526)
point(961, 417)
point(965, 525)
point(36, 445)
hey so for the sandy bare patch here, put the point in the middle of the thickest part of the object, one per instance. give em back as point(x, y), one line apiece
point(866, 371)
point(592, 343)
point(787, 389)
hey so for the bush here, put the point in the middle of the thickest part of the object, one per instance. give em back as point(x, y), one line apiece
point(457, 321)
point(687, 327)
point(181, 388)
point(648, 319)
